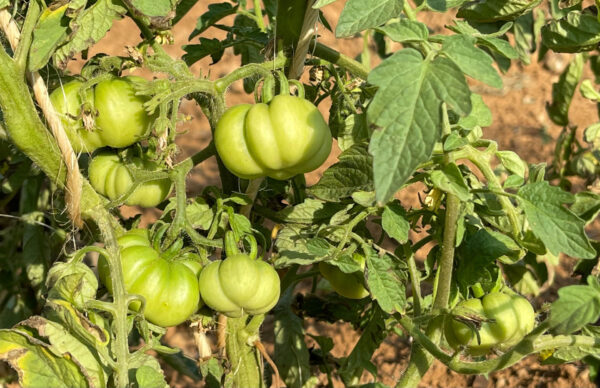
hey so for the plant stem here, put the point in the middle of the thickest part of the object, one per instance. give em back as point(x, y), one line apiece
point(249, 70)
point(414, 279)
point(178, 175)
point(259, 16)
point(245, 371)
point(206, 153)
point(21, 52)
point(120, 301)
point(335, 57)
point(251, 192)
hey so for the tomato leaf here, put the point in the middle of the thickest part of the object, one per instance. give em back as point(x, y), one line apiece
point(576, 306)
point(322, 3)
point(291, 353)
point(350, 174)
point(492, 10)
point(311, 211)
point(215, 13)
point(88, 28)
point(386, 282)
point(575, 32)
point(405, 30)
point(450, 180)
point(564, 90)
point(394, 222)
point(472, 60)
point(558, 228)
point(407, 107)
point(37, 365)
point(360, 358)
point(358, 15)
point(49, 33)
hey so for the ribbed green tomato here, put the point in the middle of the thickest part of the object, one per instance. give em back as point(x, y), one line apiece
point(513, 317)
point(349, 285)
point(121, 119)
point(284, 138)
point(110, 177)
point(168, 284)
point(239, 285)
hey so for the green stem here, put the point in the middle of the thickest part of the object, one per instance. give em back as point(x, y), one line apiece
point(178, 176)
point(21, 52)
point(414, 279)
point(206, 153)
point(482, 161)
point(120, 300)
point(259, 16)
point(250, 70)
point(245, 371)
point(251, 192)
point(327, 53)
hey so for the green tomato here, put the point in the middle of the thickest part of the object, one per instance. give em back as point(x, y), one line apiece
point(284, 138)
point(121, 119)
point(67, 103)
point(511, 318)
point(349, 285)
point(110, 177)
point(169, 285)
point(239, 285)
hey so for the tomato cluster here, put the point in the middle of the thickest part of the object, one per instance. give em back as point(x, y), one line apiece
point(109, 176)
point(119, 115)
point(284, 138)
point(508, 318)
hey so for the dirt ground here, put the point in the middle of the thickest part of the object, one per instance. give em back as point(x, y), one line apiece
point(520, 124)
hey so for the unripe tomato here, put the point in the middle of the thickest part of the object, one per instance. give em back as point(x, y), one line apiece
point(511, 318)
point(239, 285)
point(67, 103)
point(349, 285)
point(169, 285)
point(121, 119)
point(110, 177)
point(284, 138)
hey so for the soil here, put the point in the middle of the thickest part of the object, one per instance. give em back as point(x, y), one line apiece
point(520, 124)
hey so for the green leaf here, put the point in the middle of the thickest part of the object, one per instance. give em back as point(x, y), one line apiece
point(491, 41)
point(472, 60)
point(394, 222)
point(405, 31)
point(88, 28)
point(450, 180)
point(521, 279)
point(443, 5)
point(292, 246)
point(322, 3)
point(576, 32)
point(64, 343)
point(351, 173)
point(558, 228)
point(386, 282)
point(564, 90)
point(493, 10)
point(512, 162)
point(291, 353)
point(215, 13)
point(147, 376)
point(407, 107)
point(212, 371)
point(358, 15)
point(311, 211)
point(360, 358)
point(195, 52)
point(37, 365)
point(586, 206)
point(182, 9)
point(576, 307)
point(155, 8)
point(480, 115)
point(354, 131)
point(50, 32)
point(523, 32)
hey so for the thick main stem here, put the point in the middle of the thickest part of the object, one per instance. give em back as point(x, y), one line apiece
point(420, 359)
point(242, 356)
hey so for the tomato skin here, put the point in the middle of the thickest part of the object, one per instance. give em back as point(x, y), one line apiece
point(284, 138)
point(513, 317)
point(111, 178)
point(239, 285)
point(67, 104)
point(170, 287)
point(121, 119)
point(349, 285)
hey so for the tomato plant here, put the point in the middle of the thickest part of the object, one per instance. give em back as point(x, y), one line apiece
point(432, 236)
